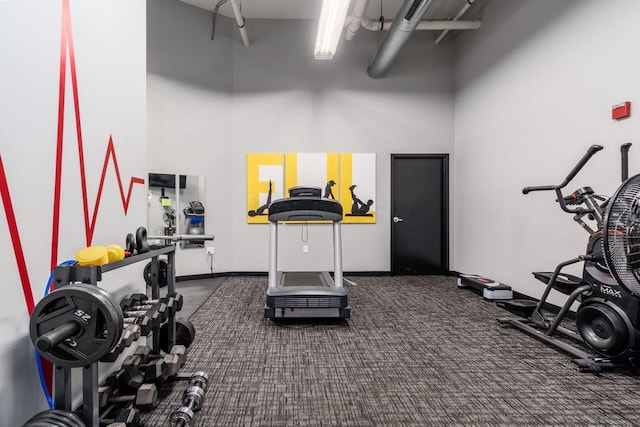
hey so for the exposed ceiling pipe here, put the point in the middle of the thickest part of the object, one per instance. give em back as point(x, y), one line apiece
point(370, 25)
point(401, 29)
point(354, 20)
point(235, 4)
point(462, 11)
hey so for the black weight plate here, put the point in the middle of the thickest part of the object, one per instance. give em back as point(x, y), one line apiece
point(36, 421)
point(40, 423)
point(47, 418)
point(185, 334)
point(57, 417)
point(70, 418)
point(91, 307)
point(162, 273)
point(110, 302)
point(74, 419)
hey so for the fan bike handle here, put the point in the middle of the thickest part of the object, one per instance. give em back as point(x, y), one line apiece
point(583, 161)
point(624, 157)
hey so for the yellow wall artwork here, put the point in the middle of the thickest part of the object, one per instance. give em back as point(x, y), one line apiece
point(349, 178)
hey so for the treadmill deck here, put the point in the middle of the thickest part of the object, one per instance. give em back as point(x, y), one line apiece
point(306, 294)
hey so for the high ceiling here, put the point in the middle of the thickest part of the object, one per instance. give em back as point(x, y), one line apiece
point(310, 9)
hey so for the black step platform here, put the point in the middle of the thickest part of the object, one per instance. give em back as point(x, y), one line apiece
point(491, 290)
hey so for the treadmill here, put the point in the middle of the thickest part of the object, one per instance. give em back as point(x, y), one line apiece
point(305, 294)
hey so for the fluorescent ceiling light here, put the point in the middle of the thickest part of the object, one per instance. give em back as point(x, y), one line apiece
point(332, 17)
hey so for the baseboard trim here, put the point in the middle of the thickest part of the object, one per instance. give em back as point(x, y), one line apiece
point(216, 275)
point(264, 273)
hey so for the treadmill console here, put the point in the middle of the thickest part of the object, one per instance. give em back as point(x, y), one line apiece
point(305, 204)
point(302, 191)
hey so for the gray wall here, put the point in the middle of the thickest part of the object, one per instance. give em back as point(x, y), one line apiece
point(534, 89)
point(189, 85)
point(283, 100)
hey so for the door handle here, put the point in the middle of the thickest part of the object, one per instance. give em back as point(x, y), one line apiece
point(396, 219)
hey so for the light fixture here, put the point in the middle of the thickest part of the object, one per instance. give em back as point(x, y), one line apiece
point(332, 17)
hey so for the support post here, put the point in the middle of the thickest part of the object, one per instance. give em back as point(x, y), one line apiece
point(337, 255)
point(273, 254)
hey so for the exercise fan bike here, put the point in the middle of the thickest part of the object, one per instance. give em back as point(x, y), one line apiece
point(608, 316)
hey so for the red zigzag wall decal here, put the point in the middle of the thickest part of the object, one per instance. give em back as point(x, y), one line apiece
point(66, 47)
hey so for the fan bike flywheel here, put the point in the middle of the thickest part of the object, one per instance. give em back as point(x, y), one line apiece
point(604, 327)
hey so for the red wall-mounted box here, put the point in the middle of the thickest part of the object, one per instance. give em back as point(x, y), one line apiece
point(620, 111)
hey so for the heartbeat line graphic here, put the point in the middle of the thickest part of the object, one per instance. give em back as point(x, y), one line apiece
point(66, 47)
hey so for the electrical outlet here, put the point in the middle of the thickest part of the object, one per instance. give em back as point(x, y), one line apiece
point(210, 250)
point(305, 249)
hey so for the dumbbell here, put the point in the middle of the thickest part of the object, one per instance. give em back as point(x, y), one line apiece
point(115, 352)
point(154, 371)
point(159, 307)
point(130, 333)
point(138, 299)
point(150, 320)
point(144, 351)
point(174, 302)
point(175, 359)
point(192, 399)
point(126, 417)
point(127, 379)
point(145, 399)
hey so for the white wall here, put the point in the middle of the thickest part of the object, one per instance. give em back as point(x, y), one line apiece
point(109, 53)
point(534, 89)
point(282, 100)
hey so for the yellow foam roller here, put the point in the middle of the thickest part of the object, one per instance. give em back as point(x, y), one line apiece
point(92, 255)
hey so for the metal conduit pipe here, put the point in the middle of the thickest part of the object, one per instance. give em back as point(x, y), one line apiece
point(401, 29)
point(235, 4)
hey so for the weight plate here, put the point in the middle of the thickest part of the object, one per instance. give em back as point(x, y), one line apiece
point(70, 419)
point(52, 418)
point(185, 334)
point(162, 273)
point(75, 420)
point(89, 306)
point(58, 417)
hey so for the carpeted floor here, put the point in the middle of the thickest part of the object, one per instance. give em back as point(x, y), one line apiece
point(417, 352)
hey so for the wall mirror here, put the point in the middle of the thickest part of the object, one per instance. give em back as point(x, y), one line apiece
point(176, 207)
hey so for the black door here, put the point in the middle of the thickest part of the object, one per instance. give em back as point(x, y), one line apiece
point(419, 214)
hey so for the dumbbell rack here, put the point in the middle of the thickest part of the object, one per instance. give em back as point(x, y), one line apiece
point(68, 274)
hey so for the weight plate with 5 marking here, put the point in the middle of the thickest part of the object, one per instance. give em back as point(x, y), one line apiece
point(76, 325)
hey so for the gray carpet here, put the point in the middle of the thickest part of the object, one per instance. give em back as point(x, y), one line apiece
point(416, 352)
